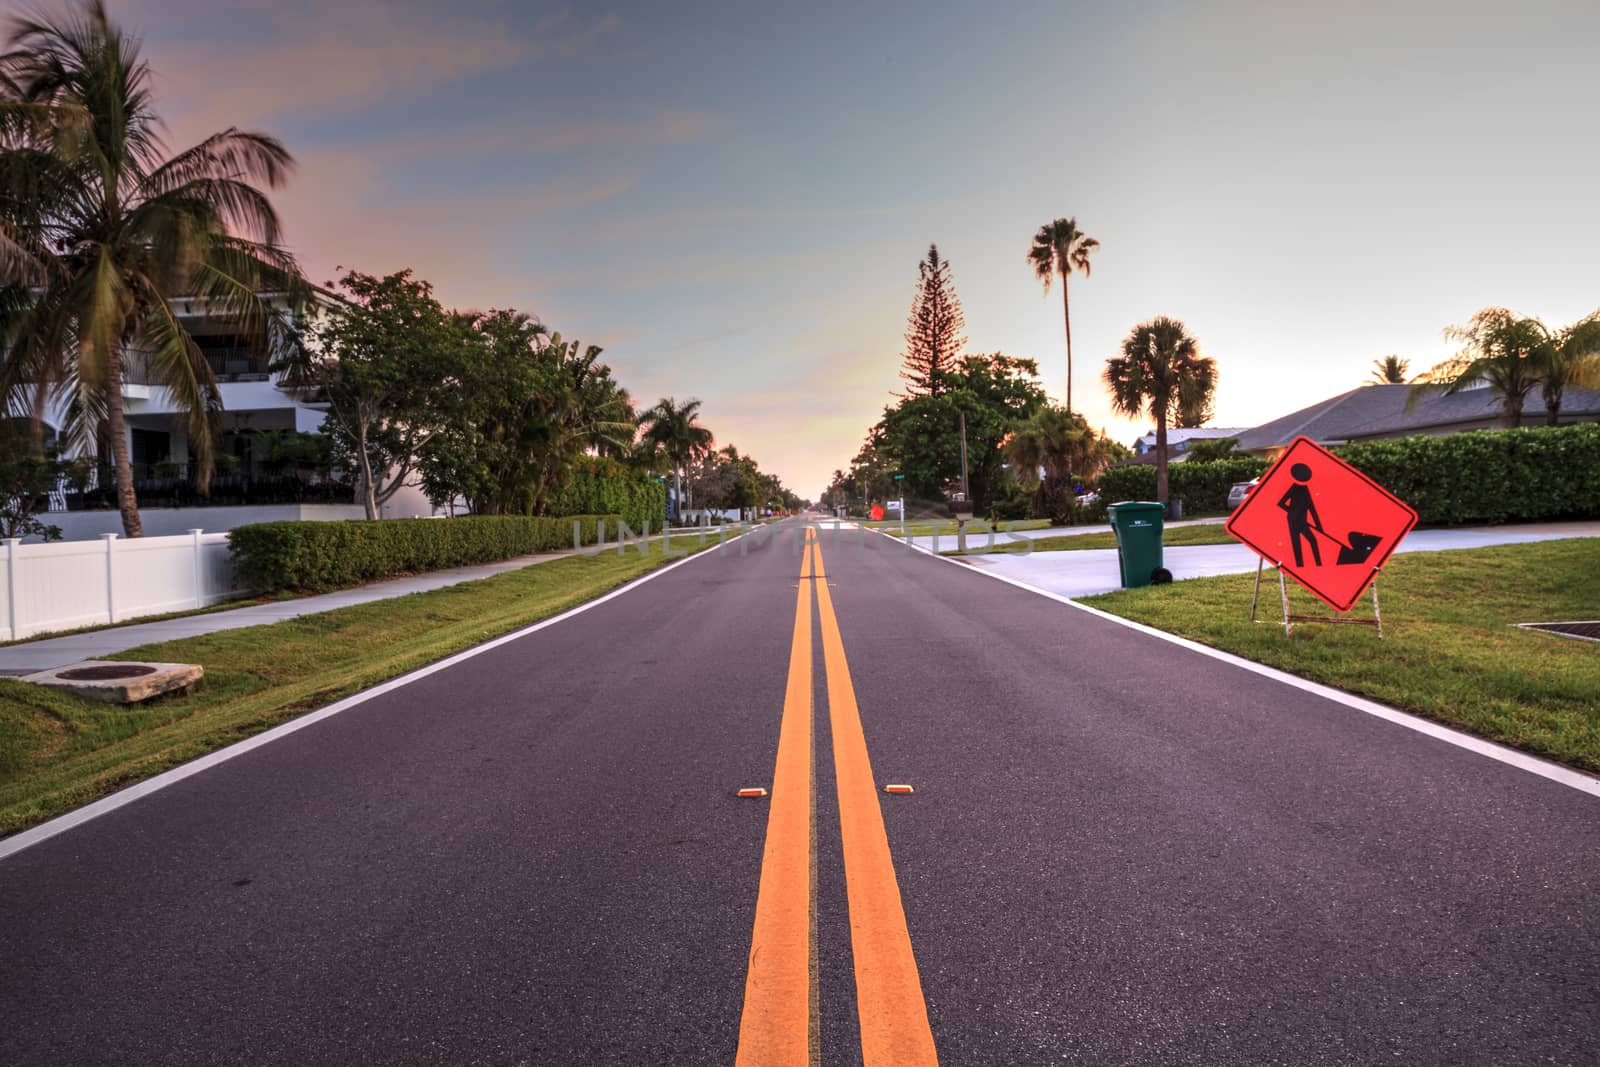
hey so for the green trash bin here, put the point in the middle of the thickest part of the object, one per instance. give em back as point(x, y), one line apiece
point(1138, 528)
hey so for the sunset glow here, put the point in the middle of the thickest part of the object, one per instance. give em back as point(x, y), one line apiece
point(733, 201)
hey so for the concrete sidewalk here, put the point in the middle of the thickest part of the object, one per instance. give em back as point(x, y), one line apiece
point(45, 653)
point(50, 652)
point(976, 541)
point(1086, 573)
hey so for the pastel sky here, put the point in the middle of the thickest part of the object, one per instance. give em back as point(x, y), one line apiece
point(732, 198)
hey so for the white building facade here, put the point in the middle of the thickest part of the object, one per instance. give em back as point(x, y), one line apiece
point(249, 484)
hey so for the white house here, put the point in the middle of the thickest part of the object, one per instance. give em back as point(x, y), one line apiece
point(1179, 441)
point(254, 402)
point(252, 398)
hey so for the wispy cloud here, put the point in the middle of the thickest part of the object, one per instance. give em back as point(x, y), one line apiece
point(315, 58)
point(531, 134)
point(342, 210)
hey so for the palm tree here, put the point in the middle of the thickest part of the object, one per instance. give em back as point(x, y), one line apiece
point(1060, 443)
point(1390, 370)
point(1160, 367)
point(580, 408)
point(1060, 248)
point(594, 407)
point(100, 234)
point(675, 428)
point(1507, 353)
point(1571, 358)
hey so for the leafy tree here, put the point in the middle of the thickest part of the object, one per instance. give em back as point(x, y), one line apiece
point(26, 480)
point(522, 408)
point(727, 479)
point(386, 360)
point(871, 476)
point(484, 434)
point(933, 329)
point(98, 233)
point(1214, 449)
point(1161, 369)
point(921, 436)
point(1501, 350)
point(582, 410)
point(1059, 443)
point(1059, 248)
point(675, 429)
point(1390, 370)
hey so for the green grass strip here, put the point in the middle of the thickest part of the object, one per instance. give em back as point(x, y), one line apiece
point(1451, 650)
point(59, 751)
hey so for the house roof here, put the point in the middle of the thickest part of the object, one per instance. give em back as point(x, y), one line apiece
point(1380, 410)
point(1198, 433)
point(1334, 419)
point(1478, 405)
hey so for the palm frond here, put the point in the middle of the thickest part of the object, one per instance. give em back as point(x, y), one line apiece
point(177, 363)
point(232, 154)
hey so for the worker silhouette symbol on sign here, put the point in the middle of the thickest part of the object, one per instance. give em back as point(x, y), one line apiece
point(1303, 517)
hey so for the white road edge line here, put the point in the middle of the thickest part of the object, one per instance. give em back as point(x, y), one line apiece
point(78, 816)
point(1583, 783)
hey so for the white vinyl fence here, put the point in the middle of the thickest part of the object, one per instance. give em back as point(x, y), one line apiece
point(69, 584)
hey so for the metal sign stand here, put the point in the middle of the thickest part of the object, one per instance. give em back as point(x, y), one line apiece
point(1288, 619)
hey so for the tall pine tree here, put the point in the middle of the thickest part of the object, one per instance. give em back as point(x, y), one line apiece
point(933, 329)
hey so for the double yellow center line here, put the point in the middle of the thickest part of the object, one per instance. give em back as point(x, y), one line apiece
point(779, 1025)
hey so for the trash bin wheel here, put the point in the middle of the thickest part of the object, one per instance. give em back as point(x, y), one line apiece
point(1160, 576)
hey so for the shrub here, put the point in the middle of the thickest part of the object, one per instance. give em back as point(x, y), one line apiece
point(606, 487)
point(1546, 472)
point(327, 555)
point(1488, 476)
point(1203, 487)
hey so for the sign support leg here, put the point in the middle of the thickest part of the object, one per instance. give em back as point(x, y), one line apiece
point(1376, 617)
point(1255, 597)
point(1283, 589)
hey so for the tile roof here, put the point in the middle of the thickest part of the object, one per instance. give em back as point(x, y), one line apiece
point(1333, 419)
point(1380, 410)
point(1477, 405)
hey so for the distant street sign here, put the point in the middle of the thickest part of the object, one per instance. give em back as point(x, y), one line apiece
point(899, 477)
point(1322, 522)
point(877, 512)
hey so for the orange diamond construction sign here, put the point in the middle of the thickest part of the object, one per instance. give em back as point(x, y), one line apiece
point(1322, 522)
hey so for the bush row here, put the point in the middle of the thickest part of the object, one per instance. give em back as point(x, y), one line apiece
point(327, 555)
point(1547, 472)
point(605, 487)
point(1484, 476)
point(1203, 487)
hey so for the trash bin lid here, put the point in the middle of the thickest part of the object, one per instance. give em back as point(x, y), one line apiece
point(1130, 508)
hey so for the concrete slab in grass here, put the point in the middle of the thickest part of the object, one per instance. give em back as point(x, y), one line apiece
point(119, 682)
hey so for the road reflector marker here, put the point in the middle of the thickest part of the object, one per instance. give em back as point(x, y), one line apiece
point(754, 791)
point(898, 788)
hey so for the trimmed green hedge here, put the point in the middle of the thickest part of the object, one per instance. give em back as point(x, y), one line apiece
point(1486, 476)
point(328, 555)
point(605, 487)
point(1489, 476)
point(1203, 487)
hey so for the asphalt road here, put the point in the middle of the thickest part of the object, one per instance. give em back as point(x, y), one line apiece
point(1118, 852)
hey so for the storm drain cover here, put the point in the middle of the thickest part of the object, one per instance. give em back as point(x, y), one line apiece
point(1583, 631)
point(105, 674)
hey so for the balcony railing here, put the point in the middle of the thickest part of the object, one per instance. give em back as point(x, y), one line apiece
point(99, 492)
